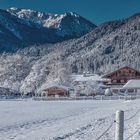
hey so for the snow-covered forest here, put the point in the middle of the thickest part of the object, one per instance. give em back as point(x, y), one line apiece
point(107, 47)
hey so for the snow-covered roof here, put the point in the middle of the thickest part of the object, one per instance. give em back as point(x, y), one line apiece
point(106, 75)
point(87, 77)
point(132, 84)
point(60, 86)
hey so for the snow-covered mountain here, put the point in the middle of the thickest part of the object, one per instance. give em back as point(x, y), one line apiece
point(66, 24)
point(107, 47)
point(20, 28)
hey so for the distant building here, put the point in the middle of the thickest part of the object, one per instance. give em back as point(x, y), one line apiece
point(86, 78)
point(57, 91)
point(122, 76)
point(132, 87)
point(89, 84)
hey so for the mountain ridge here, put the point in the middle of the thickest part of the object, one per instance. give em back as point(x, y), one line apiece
point(29, 29)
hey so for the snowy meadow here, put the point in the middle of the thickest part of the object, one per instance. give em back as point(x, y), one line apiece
point(67, 120)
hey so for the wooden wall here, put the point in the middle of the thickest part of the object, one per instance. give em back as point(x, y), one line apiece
point(121, 76)
point(54, 91)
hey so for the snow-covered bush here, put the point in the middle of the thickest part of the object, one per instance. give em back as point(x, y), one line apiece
point(108, 92)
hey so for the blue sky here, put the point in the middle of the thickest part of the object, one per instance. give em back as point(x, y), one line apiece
point(97, 11)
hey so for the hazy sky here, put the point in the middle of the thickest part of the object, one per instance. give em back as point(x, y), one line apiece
point(97, 11)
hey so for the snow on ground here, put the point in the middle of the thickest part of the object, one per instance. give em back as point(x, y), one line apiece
point(66, 120)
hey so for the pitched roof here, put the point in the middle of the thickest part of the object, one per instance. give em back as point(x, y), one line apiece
point(106, 75)
point(132, 84)
point(87, 78)
point(60, 86)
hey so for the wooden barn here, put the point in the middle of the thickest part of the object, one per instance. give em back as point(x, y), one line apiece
point(122, 76)
point(57, 91)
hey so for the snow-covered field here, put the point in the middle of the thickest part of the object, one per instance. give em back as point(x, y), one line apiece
point(68, 120)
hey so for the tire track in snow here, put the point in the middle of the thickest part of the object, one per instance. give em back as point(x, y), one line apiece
point(73, 133)
point(83, 130)
point(37, 122)
point(34, 125)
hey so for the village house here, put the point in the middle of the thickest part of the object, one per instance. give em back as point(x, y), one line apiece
point(88, 78)
point(122, 76)
point(124, 81)
point(87, 84)
point(132, 87)
point(57, 91)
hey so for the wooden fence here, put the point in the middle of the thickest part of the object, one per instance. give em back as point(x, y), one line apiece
point(87, 98)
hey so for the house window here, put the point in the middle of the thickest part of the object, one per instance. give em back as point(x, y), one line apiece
point(122, 81)
point(115, 90)
point(114, 81)
point(130, 71)
point(122, 90)
point(130, 90)
point(118, 81)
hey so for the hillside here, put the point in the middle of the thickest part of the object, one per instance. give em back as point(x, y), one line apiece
point(107, 47)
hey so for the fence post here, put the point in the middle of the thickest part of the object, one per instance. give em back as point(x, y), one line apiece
point(101, 97)
point(119, 125)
